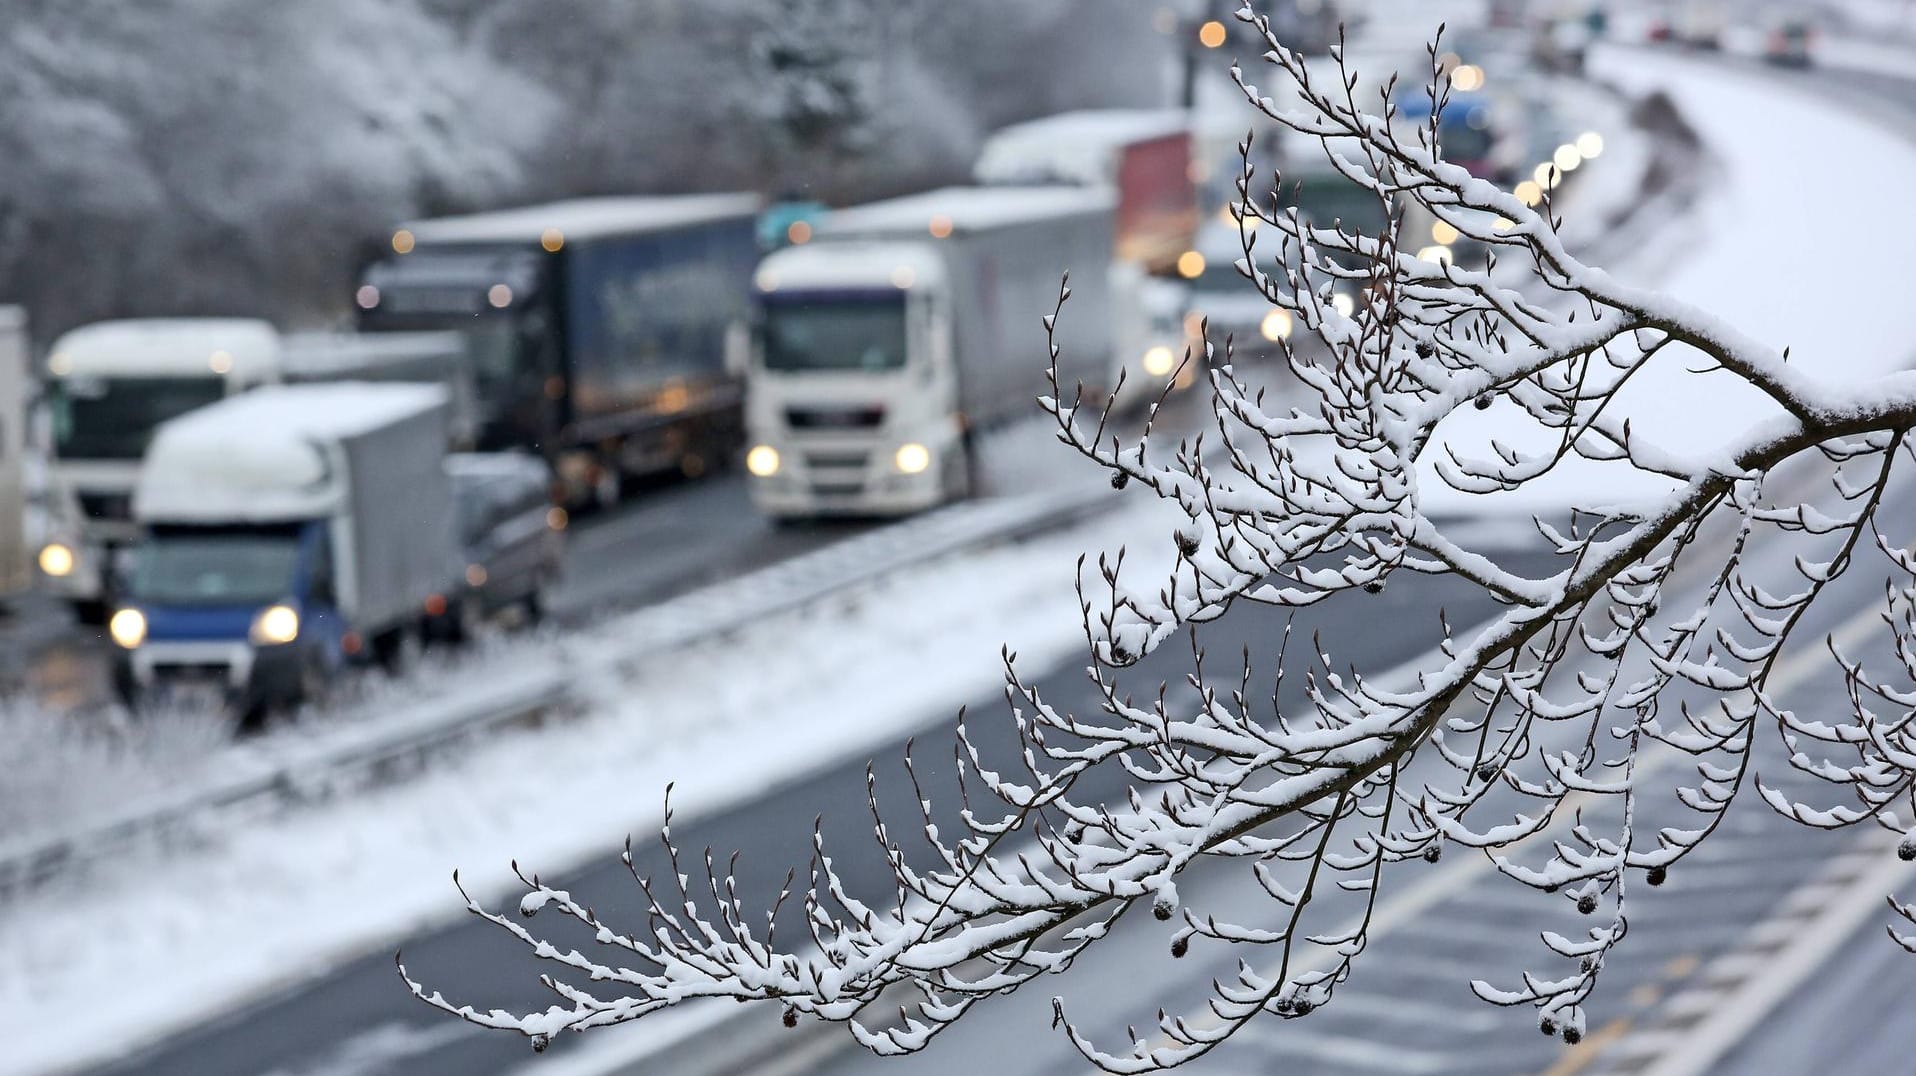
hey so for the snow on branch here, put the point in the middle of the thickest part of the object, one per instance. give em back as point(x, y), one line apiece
point(1590, 735)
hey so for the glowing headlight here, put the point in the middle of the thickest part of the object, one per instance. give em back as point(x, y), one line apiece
point(911, 458)
point(1344, 304)
point(128, 628)
point(275, 625)
point(1276, 325)
point(762, 461)
point(1439, 254)
point(1443, 233)
point(56, 560)
point(1159, 361)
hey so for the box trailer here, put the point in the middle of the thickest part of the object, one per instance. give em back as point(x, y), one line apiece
point(1143, 155)
point(607, 334)
point(284, 533)
point(905, 326)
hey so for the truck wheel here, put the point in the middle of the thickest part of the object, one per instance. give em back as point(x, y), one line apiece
point(959, 471)
point(127, 689)
point(608, 488)
point(463, 625)
point(397, 651)
point(538, 603)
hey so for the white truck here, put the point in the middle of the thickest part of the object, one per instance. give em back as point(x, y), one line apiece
point(109, 385)
point(16, 556)
point(434, 358)
point(284, 533)
point(905, 326)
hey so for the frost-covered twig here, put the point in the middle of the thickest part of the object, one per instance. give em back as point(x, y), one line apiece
point(1657, 633)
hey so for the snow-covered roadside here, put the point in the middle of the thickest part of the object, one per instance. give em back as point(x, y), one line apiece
point(184, 934)
point(1800, 245)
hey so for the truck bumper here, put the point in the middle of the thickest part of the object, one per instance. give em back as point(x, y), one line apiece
point(857, 477)
point(244, 675)
point(792, 496)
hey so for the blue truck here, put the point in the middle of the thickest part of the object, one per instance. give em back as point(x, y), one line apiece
point(284, 533)
point(607, 334)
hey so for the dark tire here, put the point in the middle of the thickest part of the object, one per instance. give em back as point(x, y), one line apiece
point(609, 489)
point(538, 601)
point(397, 651)
point(89, 611)
point(462, 624)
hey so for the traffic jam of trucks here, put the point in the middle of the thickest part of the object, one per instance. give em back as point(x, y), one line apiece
point(248, 511)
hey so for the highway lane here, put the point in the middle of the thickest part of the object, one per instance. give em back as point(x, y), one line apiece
point(357, 1017)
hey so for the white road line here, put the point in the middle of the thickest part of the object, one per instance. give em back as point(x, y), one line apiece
point(1740, 1012)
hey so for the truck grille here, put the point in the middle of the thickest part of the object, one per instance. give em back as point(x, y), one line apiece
point(838, 489)
point(106, 505)
point(837, 459)
point(834, 418)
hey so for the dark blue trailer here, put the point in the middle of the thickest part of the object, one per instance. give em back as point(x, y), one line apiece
point(606, 334)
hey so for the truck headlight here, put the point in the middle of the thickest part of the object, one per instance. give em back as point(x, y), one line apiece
point(128, 628)
point(1276, 325)
point(274, 626)
point(1159, 361)
point(56, 559)
point(911, 458)
point(762, 461)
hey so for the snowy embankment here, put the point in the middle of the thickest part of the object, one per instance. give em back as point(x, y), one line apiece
point(153, 940)
point(1799, 241)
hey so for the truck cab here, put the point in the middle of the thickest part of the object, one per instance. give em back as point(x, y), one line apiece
point(248, 610)
point(852, 398)
point(109, 386)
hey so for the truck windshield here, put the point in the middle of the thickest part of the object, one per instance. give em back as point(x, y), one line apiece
point(112, 418)
point(193, 566)
point(836, 334)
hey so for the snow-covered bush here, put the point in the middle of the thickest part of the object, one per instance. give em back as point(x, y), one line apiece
point(1655, 636)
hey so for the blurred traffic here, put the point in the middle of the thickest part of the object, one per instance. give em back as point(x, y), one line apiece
point(251, 511)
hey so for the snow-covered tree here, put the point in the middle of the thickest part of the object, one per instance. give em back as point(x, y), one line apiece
point(1636, 678)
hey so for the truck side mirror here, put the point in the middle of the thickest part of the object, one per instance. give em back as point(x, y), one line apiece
point(738, 348)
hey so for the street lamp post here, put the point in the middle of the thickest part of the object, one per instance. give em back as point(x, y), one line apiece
point(1204, 31)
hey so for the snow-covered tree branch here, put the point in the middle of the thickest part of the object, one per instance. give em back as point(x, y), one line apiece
point(1641, 671)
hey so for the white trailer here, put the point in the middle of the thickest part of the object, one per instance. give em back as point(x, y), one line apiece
point(1144, 156)
point(16, 556)
point(285, 532)
point(109, 385)
point(435, 358)
point(905, 326)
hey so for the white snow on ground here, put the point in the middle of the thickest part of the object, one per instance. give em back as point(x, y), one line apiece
point(1800, 244)
point(186, 934)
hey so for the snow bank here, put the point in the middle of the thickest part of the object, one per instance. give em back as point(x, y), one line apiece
point(1799, 243)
